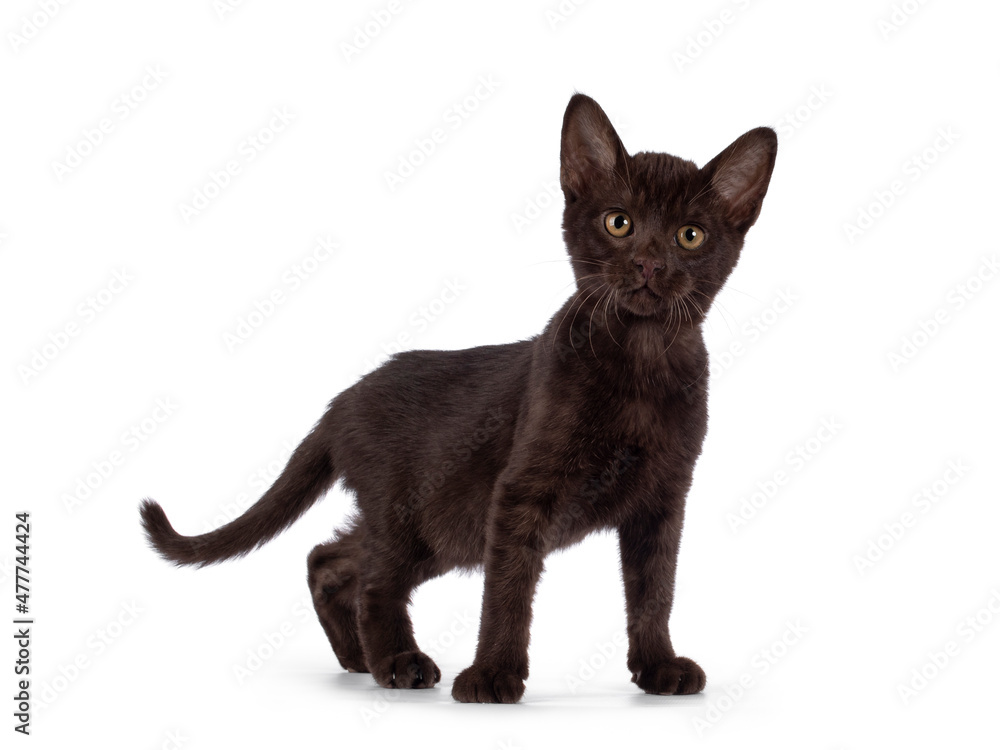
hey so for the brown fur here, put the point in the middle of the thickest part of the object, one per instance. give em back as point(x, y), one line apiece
point(493, 457)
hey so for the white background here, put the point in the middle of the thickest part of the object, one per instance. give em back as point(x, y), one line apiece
point(888, 82)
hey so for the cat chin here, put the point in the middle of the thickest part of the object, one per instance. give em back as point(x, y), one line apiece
point(642, 302)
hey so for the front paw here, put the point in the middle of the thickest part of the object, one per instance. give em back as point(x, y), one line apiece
point(676, 676)
point(487, 685)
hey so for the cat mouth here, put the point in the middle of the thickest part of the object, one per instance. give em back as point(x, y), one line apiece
point(642, 300)
point(645, 292)
point(644, 289)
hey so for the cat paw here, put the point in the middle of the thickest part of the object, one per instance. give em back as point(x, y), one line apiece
point(676, 676)
point(409, 669)
point(487, 685)
point(352, 663)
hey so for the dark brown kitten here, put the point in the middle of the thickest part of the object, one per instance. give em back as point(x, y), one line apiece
point(495, 456)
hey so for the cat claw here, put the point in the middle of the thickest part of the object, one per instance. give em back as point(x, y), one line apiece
point(406, 670)
point(676, 676)
point(487, 685)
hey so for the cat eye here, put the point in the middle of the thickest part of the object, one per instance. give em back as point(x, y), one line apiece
point(690, 236)
point(618, 224)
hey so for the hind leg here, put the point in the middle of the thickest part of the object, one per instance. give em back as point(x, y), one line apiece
point(386, 629)
point(334, 585)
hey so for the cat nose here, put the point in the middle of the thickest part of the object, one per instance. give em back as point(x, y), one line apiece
point(649, 266)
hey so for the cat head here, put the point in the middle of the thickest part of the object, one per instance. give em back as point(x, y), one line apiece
point(653, 232)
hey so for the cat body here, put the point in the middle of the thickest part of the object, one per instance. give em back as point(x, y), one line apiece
point(492, 457)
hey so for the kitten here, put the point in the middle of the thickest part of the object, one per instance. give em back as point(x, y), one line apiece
point(495, 456)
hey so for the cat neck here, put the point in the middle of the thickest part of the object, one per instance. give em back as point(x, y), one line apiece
point(620, 345)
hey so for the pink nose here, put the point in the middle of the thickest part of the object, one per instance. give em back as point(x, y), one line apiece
point(649, 266)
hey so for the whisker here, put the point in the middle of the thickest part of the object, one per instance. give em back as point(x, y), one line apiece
point(722, 308)
point(729, 288)
point(676, 332)
point(697, 377)
point(698, 308)
point(553, 260)
point(589, 276)
point(573, 323)
point(607, 327)
point(590, 325)
point(576, 282)
point(572, 304)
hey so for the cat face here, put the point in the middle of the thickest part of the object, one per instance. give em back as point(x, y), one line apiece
point(652, 235)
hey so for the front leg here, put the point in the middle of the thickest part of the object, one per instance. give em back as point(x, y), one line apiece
point(648, 545)
point(514, 560)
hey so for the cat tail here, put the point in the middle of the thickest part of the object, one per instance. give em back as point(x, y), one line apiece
point(308, 475)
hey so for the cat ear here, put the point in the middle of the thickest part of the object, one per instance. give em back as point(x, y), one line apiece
point(740, 175)
point(591, 149)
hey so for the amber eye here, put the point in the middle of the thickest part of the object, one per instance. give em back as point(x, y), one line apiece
point(618, 223)
point(690, 237)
